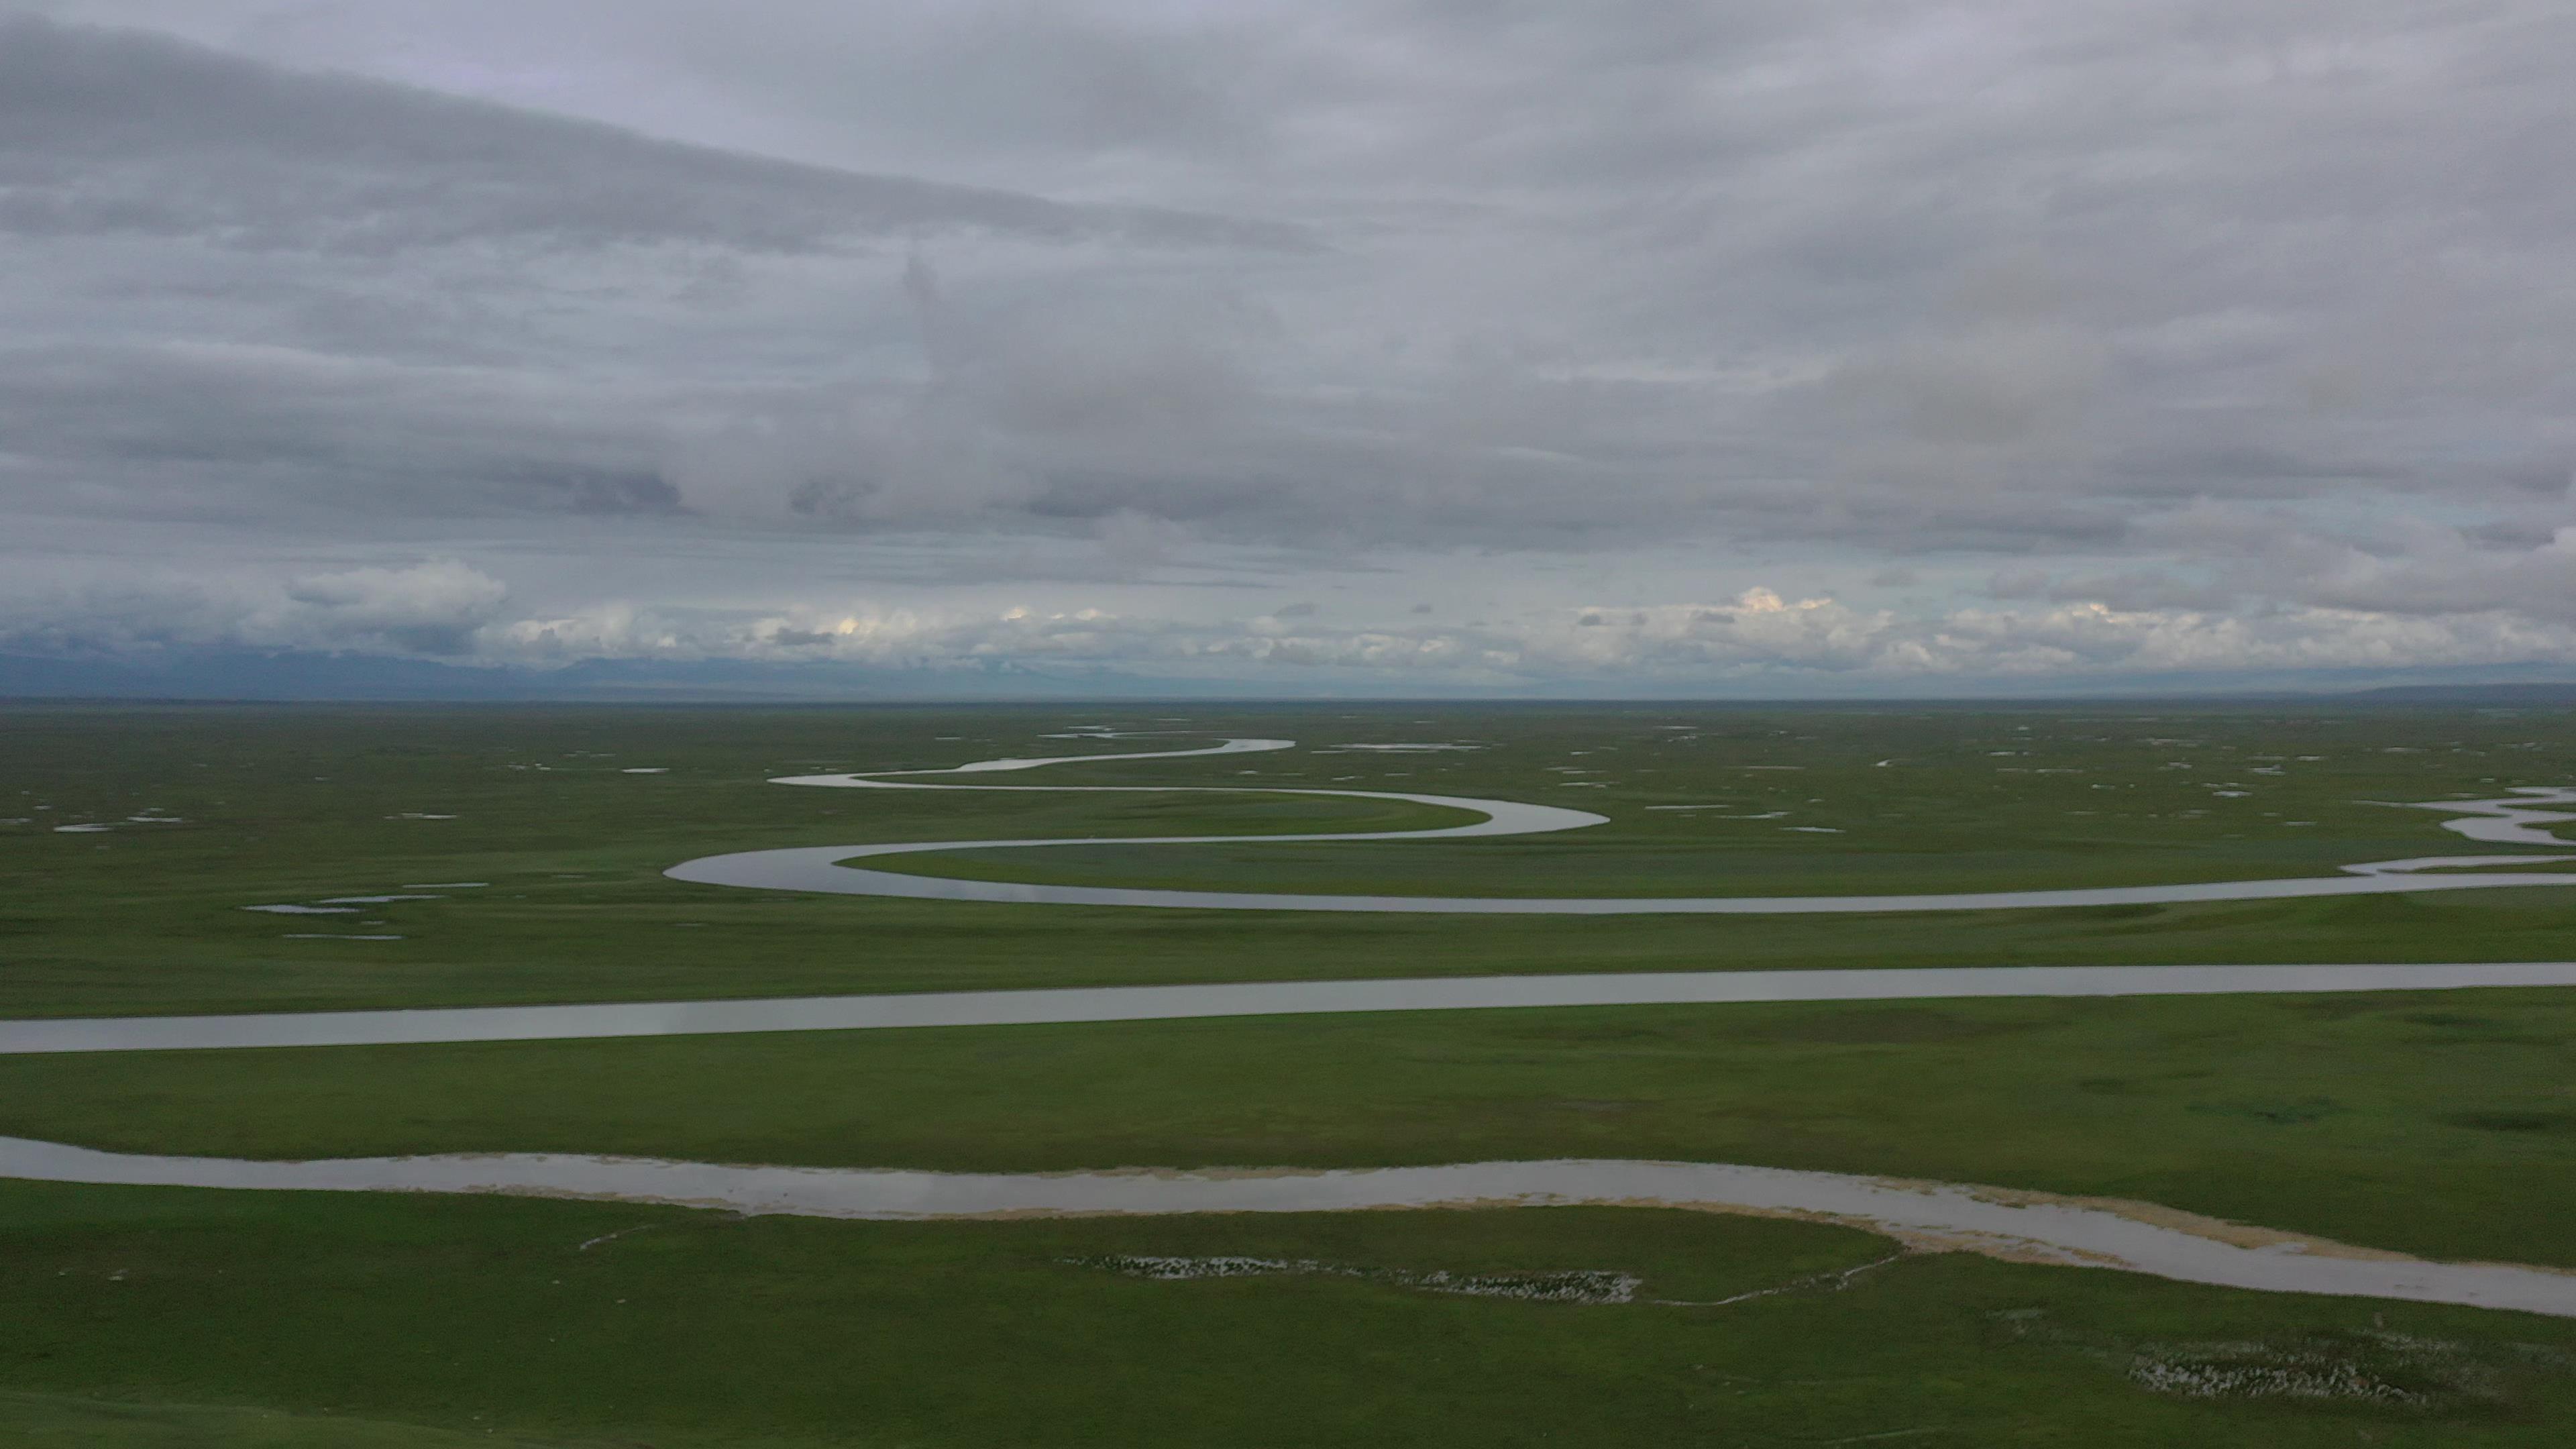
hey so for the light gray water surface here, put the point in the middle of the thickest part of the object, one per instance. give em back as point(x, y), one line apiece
point(1256, 998)
point(2024, 1227)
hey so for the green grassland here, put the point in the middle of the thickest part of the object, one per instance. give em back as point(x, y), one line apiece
point(62, 1421)
point(698, 1329)
point(286, 806)
point(2442, 1125)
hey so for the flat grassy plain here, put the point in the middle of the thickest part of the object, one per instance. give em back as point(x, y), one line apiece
point(296, 806)
point(2437, 1124)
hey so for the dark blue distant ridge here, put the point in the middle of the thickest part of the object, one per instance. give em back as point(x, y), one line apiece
point(301, 675)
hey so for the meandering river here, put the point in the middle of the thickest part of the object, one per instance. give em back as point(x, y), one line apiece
point(2512, 819)
point(1942, 1217)
point(2003, 1223)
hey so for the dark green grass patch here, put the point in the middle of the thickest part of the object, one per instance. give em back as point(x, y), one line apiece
point(61, 1421)
point(677, 1328)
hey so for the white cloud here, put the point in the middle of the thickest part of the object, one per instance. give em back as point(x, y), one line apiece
point(1758, 640)
point(430, 608)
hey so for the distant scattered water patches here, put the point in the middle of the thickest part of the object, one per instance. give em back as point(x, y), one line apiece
point(1923, 1216)
point(2514, 819)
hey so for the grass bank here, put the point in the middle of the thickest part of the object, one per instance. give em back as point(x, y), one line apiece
point(388, 1320)
point(2439, 1125)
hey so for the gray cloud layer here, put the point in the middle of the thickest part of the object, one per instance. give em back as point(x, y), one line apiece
point(2145, 336)
point(105, 132)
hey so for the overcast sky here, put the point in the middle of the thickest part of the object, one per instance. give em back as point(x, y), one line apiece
point(1761, 347)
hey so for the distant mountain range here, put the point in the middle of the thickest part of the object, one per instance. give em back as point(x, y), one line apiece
point(295, 675)
point(2538, 692)
point(251, 675)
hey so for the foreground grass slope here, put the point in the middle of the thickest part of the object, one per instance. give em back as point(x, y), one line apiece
point(567, 1322)
point(62, 1421)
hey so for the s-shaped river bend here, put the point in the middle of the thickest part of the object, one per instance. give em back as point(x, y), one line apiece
point(2514, 819)
point(1996, 1222)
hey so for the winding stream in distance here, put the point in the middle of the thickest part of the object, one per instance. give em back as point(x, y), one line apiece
point(1926, 1216)
point(2514, 819)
